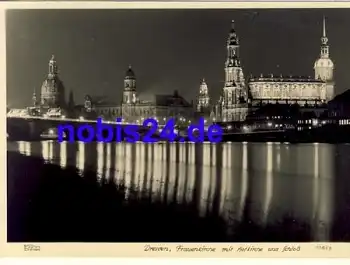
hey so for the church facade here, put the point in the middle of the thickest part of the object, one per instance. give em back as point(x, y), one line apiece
point(296, 89)
point(134, 110)
point(238, 97)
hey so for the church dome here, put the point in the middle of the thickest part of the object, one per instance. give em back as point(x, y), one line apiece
point(324, 62)
point(52, 92)
point(129, 73)
point(52, 89)
point(52, 86)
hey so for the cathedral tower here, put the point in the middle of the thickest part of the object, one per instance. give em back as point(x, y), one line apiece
point(129, 93)
point(203, 97)
point(52, 89)
point(234, 90)
point(234, 95)
point(324, 67)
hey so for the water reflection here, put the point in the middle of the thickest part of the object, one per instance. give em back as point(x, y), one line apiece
point(218, 178)
point(63, 154)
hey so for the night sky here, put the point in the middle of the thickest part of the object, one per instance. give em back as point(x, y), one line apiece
point(168, 49)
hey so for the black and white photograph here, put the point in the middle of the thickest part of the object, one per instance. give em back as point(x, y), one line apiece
point(178, 125)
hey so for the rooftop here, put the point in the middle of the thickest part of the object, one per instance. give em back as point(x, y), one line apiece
point(281, 78)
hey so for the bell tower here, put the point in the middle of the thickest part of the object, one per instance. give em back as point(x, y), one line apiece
point(324, 66)
point(129, 93)
point(203, 97)
point(234, 89)
point(234, 99)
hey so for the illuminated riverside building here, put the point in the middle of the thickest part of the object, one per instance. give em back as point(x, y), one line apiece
point(135, 110)
point(300, 90)
point(287, 90)
point(239, 98)
point(52, 89)
point(311, 93)
point(51, 101)
point(203, 99)
point(233, 102)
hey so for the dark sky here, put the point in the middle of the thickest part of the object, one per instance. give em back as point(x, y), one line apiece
point(168, 49)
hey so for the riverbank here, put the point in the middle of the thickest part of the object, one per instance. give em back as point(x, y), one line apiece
point(49, 204)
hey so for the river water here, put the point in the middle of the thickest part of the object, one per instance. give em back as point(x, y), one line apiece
point(309, 181)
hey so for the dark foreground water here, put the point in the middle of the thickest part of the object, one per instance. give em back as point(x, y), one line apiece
point(178, 192)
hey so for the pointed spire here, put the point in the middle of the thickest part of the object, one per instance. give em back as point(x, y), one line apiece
point(324, 39)
point(71, 103)
point(233, 24)
point(34, 98)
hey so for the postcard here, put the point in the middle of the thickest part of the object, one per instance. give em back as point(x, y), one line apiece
point(167, 129)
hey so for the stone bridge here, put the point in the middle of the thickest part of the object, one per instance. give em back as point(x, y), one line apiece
point(31, 128)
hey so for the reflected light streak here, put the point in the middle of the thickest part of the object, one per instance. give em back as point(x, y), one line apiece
point(63, 154)
point(278, 158)
point(156, 189)
point(80, 161)
point(206, 181)
point(163, 174)
point(22, 147)
point(181, 174)
point(27, 148)
point(142, 165)
point(315, 181)
point(51, 146)
point(120, 156)
point(108, 160)
point(269, 181)
point(325, 189)
point(128, 169)
point(45, 150)
point(213, 154)
point(100, 161)
point(149, 173)
point(225, 178)
point(137, 167)
point(172, 172)
point(244, 184)
point(190, 172)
